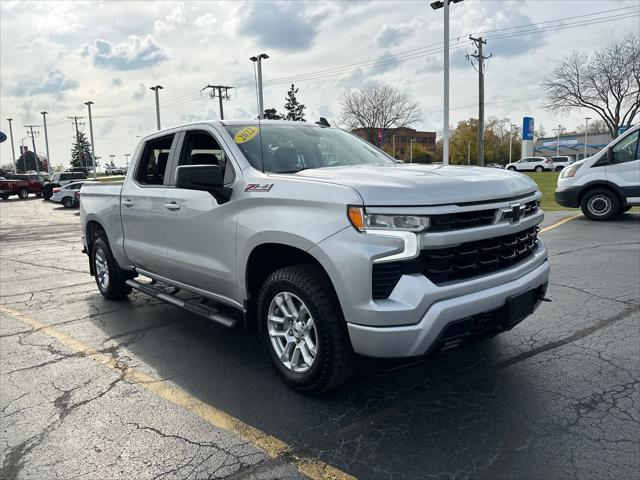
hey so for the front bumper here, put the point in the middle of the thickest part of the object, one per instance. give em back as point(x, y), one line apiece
point(568, 196)
point(418, 339)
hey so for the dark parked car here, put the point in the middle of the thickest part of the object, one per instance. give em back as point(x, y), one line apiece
point(21, 184)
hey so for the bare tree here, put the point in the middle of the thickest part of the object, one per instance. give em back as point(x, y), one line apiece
point(378, 106)
point(607, 83)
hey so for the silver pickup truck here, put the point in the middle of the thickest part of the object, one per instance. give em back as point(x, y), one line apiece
point(326, 245)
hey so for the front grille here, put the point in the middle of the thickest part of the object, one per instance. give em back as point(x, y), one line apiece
point(462, 262)
point(529, 209)
point(477, 258)
point(459, 220)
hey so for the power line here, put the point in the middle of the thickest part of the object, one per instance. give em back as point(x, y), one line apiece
point(222, 92)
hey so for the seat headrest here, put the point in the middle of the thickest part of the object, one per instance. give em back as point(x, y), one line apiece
point(204, 159)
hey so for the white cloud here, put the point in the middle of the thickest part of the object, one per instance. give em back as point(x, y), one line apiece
point(132, 54)
point(172, 21)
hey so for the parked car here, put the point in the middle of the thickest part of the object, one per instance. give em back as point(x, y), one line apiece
point(531, 164)
point(21, 184)
point(66, 195)
point(59, 179)
point(606, 184)
point(115, 171)
point(76, 199)
point(366, 257)
point(561, 162)
point(494, 165)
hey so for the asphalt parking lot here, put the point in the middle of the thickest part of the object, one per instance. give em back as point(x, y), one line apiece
point(94, 389)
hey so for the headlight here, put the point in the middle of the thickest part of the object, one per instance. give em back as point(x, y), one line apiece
point(363, 221)
point(570, 171)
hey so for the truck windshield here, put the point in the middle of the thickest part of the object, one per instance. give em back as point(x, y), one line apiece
point(292, 148)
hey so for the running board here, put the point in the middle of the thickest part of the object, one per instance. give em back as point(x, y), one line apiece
point(205, 311)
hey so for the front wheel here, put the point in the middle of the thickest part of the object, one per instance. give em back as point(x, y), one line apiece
point(67, 202)
point(23, 194)
point(513, 169)
point(539, 169)
point(110, 278)
point(4, 196)
point(302, 329)
point(600, 204)
point(559, 169)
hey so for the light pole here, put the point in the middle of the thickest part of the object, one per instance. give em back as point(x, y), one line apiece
point(127, 155)
point(393, 143)
point(13, 151)
point(93, 148)
point(445, 134)
point(157, 89)
point(511, 127)
point(586, 133)
point(559, 130)
point(258, 58)
point(411, 150)
point(46, 139)
point(469, 153)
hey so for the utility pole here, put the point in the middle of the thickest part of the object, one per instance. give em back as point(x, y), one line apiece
point(33, 136)
point(93, 147)
point(559, 130)
point(586, 133)
point(46, 139)
point(220, 91)
point(510, 139)
point(411, 150)
point(13, 151)
point(157, 89)
point(469, 153)
point(75, 122)
point(258, 59)
point(479, 43)
point(393, 143)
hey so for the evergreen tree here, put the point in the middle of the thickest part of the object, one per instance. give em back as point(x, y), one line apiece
point(272, 114)
point(295, 109)
point(81, 152)
point(27, 161)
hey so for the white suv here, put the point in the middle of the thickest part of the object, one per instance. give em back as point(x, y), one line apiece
point(531, 164)
point(608, 183)
point(560, 162)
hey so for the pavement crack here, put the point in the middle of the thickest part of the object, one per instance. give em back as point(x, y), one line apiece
point(586, 292)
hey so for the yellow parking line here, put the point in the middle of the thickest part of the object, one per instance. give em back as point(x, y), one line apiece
point(272, 446)
point(561, 222)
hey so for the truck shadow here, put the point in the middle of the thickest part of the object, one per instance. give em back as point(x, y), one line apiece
point(227, 369)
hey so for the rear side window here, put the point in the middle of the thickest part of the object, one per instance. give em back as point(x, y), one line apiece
point(153, 162)
point(65, 176)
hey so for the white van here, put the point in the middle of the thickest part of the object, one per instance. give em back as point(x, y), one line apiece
point(606, 184)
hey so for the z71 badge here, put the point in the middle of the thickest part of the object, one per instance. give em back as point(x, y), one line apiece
point(258, 187)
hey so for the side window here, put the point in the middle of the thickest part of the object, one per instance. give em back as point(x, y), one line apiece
point(626, 150)
point(153, 161)
point(201, 148)
point(64, 176)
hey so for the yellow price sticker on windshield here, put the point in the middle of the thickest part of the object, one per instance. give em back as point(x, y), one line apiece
point(245, 134)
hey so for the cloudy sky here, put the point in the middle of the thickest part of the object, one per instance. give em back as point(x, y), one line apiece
point(55, 56)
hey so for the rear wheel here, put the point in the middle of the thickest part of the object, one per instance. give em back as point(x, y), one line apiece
point(539, 169)
point(600, 204)
point(23, 193)
point(626, 208)
point(558, 169)
point(302, 329)
point(513, 169)
point(110, 278)
point(4, 196)
point(67, 202)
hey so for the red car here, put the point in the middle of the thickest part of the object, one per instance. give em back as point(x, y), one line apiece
point(21, 184)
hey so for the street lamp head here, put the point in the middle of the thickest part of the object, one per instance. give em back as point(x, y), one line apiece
point(259, 56)
point(156, 87)
point(88, 103)
point(439, 3)
point(264, 56)
point(44, 113)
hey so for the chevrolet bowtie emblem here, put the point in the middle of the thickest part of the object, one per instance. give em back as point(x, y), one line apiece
point(517, 210)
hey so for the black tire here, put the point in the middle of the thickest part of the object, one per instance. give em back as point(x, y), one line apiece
point(334, 361)
point(513, 169)
point(115, 288)
point(67, 202)
point(600, 204)
point(559, 169)
point(4, 196)
point(538, 169)
point(23, 194)
point(626, 208)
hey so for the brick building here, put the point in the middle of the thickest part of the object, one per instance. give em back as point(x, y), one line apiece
point(402, 138)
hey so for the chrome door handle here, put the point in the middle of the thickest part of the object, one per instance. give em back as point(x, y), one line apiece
point(172, 206)
point(127, 203)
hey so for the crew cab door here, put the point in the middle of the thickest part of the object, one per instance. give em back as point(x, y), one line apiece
point(200, 228)
point(624, 166)
point(142, 205)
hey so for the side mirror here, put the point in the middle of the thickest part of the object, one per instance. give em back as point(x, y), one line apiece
point(199, 177)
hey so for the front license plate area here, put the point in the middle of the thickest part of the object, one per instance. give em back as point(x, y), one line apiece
point(518, 307)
